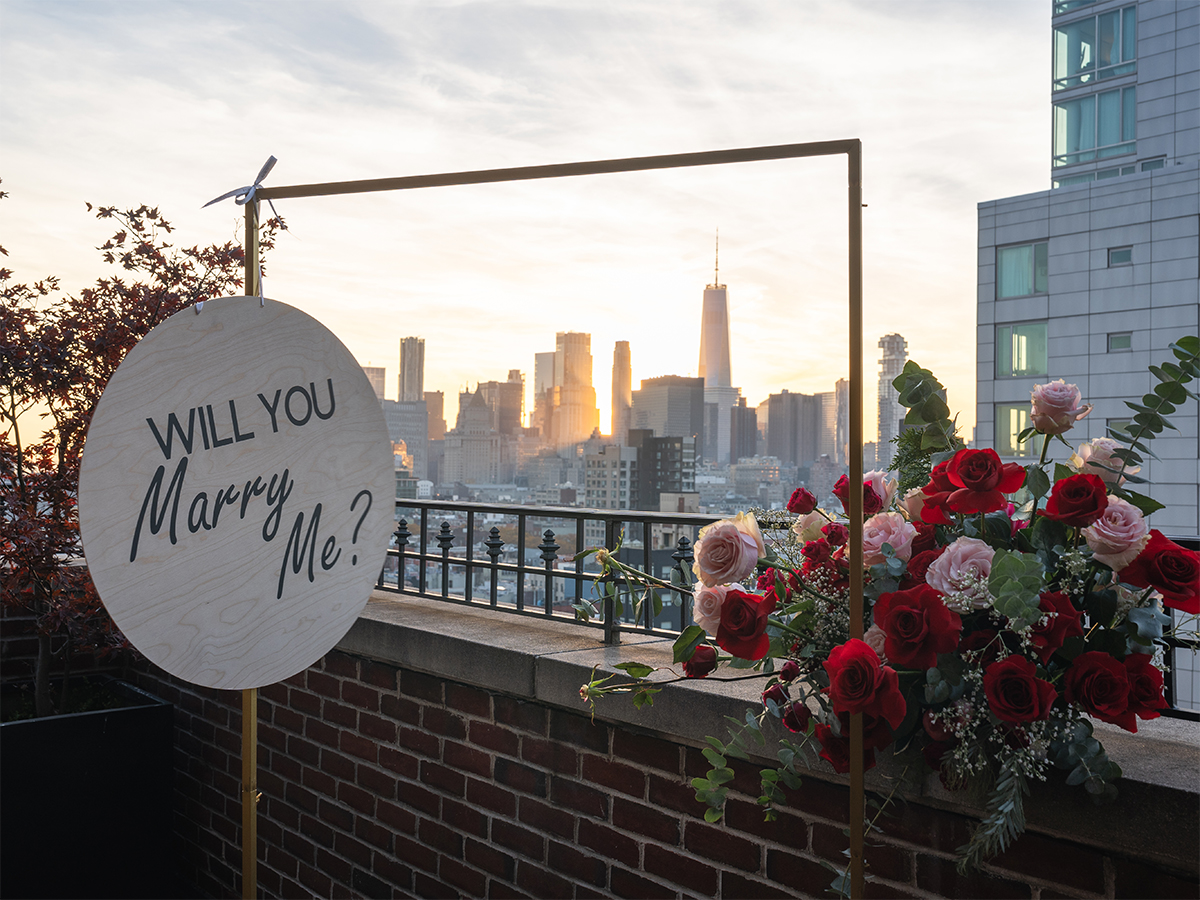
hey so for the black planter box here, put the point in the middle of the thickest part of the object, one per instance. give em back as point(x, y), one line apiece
point(85, 802)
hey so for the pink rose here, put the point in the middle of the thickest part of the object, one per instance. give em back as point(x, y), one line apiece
point(1057, 406)
point(875, 638)
point(808, 528)
point(884, 487)
point(1119, 535)
point(912, 503)
point(1100, 450)
point(961, 573)
point(707, 604)
point(887, 528)
point(728, 550)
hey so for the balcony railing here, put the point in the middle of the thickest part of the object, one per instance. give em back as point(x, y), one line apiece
point(525, 560)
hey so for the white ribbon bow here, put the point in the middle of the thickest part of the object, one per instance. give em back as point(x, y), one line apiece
point(243, 195)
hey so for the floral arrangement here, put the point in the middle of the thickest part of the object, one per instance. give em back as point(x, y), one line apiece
point(1005, 608)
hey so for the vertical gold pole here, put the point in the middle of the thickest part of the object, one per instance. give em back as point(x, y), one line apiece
point(857, 799)
point(250, 695)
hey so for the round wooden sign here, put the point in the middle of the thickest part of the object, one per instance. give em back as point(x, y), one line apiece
point(236, 493)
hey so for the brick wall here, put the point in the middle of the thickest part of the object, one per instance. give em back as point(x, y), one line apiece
point(381, 782)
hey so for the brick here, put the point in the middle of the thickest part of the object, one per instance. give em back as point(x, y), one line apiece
point(335, 867)
point(939, 876)
point(746, 778)
point(519, 839)
point(550, 755)
point(608, 843)
point(321, 782)
point(1136, 879)
point(370, 886)
point(296, 680)
point(822, 799)
point(493, 737)
point(396, 817)
point(337, 765)
point(502, 891)
point(578, 866)
point(353, 849)
point(472, 701)
point(670, 793)
point(547, 818)
point(464, 819)
point(340, 664)
point(298, 796)
point(626, 884)
point(289, 720)
point(1055, 861)
point(686, 871)
point(520, 777)
point(721, 845)
point(300, 847)
point(883, 860)
point(469, 881)
point(520, 714)
point(322, 684)
point(483, 855)
point(466, 759)
point(441, 838)
point(319, 831)
point(377, 728)
point(378, 674)
point(305, 751)
point(373, 833)
point(541, 882)
point(381, 784)
point(443, 778)
point(735, 885)
point(282, 861)
point(428, 886)
point(321, 733)
point(579, 797)
point(419, 798)
point(317, 882)
point(645, 751)
point(304, 702)
point(928, 828)
point(419, 742)
point(746, 817)
point(643, 820)
point(399, 762)
point(393, 871)
point(578, 730)
point(360, 695)
point(485, 794)
point(340, 714)
point(362, 747)
point(416, 684)
point(400, 708)
point(414, 854)
point(444, 722)
point(883, 890)
point(339, 817)
point(357, 798)
point(614, 775)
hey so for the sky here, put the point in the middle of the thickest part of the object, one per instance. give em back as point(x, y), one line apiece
point(173, 103)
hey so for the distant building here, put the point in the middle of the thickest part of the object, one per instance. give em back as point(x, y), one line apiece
point(474, 450)
point(801, 427)
point(622, 392)
point(665, 464)
point(411, 381)
point(716, 371)
point(409, 422)
point(670, 406)
point(377, 376)
point(435, 404)
point(891, 413)
point(743, 432)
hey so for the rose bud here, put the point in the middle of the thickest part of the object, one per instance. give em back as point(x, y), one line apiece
point(776, 693)
point(702, 661)
point(802, 502)
point(796, 717)
point(790, 671)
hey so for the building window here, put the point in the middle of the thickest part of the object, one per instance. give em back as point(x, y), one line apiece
point(1095, 127)
point(1120, 340)
point(1021, 270)
point(1011, 420)
point(1120, 256)
point(1151, 164)
point(1098, 47)
point(1021, 350)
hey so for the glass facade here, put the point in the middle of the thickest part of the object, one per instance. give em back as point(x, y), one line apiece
point(1021, 270)
point(1011, 420)
point(1095, 127)
point(1021, 350)
point(1095, 48)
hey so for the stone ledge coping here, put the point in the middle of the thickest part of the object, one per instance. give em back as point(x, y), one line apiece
point(1156, 815)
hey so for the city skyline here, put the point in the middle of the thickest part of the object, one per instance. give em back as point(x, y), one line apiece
point(360, 90)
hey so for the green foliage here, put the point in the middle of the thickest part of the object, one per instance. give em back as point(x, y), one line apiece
point(1003, 823)
point(686, 644)
point(929, 435)
point(1015, 583)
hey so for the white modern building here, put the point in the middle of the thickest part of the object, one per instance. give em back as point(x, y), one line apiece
point(1091, 280)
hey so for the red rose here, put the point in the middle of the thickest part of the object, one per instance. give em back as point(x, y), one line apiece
point(1145, 686)
point(984, 643)
point(777, 693)
point(766, 580)
point(743, 628)
point(790, 671)
point(1170, 569)
point(1061, 621)
point(917, 626)
point(801, 502)
point(703, 660)
point(872, 502)
point(937, 492)
point(1014, 691)
point(817, 552)
point(836, 533)
point(918, 566)
point(858, 683)
point(796, 717)
point(1100, 684)
point(1079, 500)
point(981, 481)
point(835, 747)
point(926, 538)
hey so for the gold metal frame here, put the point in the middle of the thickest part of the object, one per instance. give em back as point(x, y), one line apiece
point(853, 152)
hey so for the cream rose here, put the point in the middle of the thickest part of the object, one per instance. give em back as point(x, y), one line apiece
point(706, 606)
point(808, 528)
point(1057, 406)
point(1119, 535)
point(728, 550)
point(912, 504)
point(884, 487)
point(887, 528)
point(961, 573)
point(1100, 450)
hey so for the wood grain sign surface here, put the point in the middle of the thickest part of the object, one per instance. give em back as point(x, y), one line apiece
point(236, 493)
